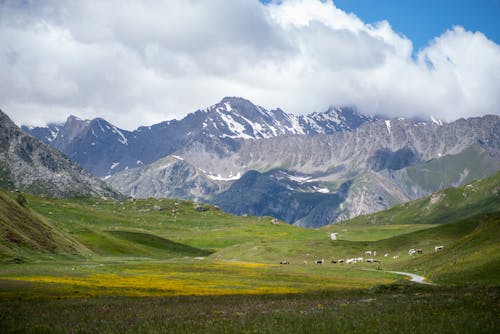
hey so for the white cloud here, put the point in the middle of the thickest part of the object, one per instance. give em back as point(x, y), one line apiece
point(141, 62)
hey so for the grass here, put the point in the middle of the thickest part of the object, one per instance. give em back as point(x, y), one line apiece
point(400, 308)
point(472, 258)
point(101, 265)
point(441, 207)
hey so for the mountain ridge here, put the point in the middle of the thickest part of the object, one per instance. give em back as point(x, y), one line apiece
point(104, 149)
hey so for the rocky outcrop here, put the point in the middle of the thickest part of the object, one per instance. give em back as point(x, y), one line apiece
point(167, 177)
point(31, 166)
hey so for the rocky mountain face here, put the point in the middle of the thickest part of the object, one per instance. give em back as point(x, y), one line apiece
point(308, 170)
point(168, 177)
point(105, 149)
point(29, 165)
point(317, 180)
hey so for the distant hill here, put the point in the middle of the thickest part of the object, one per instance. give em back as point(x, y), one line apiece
point(448, 205)
point(31, 166)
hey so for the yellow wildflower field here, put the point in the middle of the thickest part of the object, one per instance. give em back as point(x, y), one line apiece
point(176, 279)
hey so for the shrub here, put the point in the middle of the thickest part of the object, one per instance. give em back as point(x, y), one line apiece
point(21, 200)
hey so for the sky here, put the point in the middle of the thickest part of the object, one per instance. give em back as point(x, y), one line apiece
point(142, 62)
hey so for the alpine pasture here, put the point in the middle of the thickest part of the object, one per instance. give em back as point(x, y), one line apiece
point(102, 265)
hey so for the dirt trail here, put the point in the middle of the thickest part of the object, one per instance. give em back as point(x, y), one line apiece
point(414, 277)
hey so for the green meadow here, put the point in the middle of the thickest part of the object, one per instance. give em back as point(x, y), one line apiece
point(85, 265)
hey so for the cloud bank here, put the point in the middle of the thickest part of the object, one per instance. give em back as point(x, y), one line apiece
point(141, 62)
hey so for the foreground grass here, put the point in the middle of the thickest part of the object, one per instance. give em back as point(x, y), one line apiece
point(399, 308)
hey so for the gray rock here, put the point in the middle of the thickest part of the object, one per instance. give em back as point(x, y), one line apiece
point(28, 165)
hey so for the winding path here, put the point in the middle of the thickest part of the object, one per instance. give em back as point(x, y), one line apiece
point(414, 277)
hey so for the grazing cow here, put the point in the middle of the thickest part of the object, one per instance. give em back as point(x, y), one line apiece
point(411, 252)
point(376, 261)
point(395, 257)
point(374, 253)
point(368, 252)
point(386, 254)
point(359, 259)
point(341, 260)
point(334, 261)
point(284, 262)
point(305, 262)
point(369, 260)
point(419, 251)
point(319, 261)
point(333, 236)
point(438, 248)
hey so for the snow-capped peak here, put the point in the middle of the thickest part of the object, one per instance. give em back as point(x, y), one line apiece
point(235, 117)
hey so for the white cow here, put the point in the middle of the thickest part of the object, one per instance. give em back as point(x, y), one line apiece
point(438, 248)
point(319, 261)
point(368, 253)
point(412, 252)
point(395, 257)
point(333, 236)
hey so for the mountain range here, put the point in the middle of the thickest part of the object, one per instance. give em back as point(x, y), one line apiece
point(105, 149)
point(309, 170)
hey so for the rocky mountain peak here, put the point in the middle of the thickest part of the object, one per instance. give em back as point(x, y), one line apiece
point(30, 165)
point(73, 127)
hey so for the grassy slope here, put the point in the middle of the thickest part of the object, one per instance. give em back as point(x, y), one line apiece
point(472, 255)
point(26, 233)
point(472, 164)
point(442, 207)
point(91, 219)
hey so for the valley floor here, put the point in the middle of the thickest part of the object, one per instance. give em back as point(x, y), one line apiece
point(156, 266)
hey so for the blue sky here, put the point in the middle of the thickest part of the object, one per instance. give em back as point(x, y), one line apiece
point(422, 20)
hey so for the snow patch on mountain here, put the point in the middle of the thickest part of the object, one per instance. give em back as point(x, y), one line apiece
point(122, 138)
point(388, 125)
point(218, 177)
point(436, 121)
